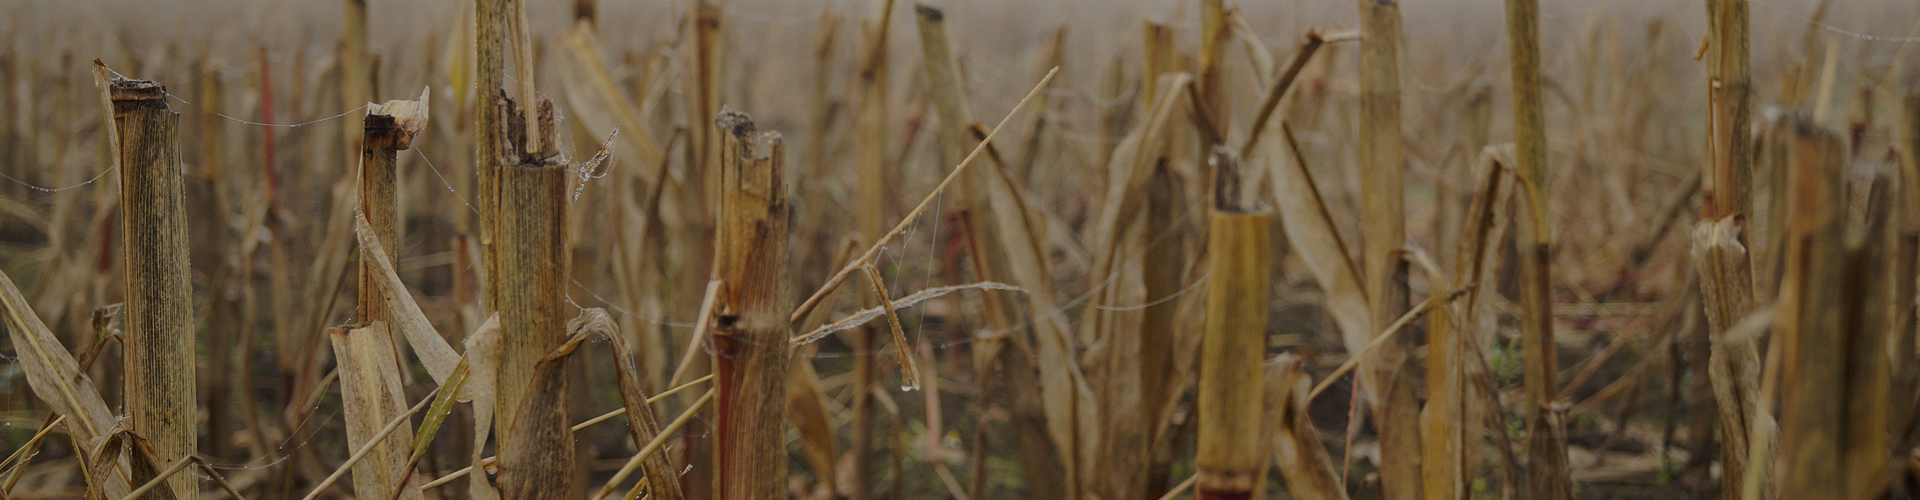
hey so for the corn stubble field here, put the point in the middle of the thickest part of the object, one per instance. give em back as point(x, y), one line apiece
point(896, 249)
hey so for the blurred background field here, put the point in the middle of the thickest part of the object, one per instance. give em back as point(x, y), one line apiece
point(270, 230)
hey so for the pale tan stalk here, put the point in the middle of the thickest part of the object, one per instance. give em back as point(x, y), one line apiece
point(702, 91)
point(490, 52)
point(356, 73)
point(1906, 256)
point(1388, 377)
point(1874, 314)
point(1726, 285)
point(532, 253)
point(1001, 246)
point(1729, 85)
point(1232, 383)
point(1460, 338)
point(1548, 475)
point(1164, 266)
point(159, 352)
point(870, 203)
point(1813, 416)
point(750, 327)
point(387, 129)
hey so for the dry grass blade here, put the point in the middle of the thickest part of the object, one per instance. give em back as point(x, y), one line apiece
point(430, 426)
point(1355, 357)
point(1297, 449)
point(623, 410)
point(54, 376)
point(909, 371)
point(655, 445)
point(376, 440)
point(806, 307)
point(863, 316)
point(489, 462)
point(1258, 57)
point(33, 442)
point(434, 351)
point(218, 480)
point(1181, 488)
point(371, 390)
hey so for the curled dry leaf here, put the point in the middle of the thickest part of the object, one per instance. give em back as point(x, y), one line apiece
point(661, 480)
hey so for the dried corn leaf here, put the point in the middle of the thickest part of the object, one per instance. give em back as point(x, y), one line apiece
point(122, 444)
point(1072, 415)
point(537, 462)
point(1257, 55)
point(433, 350)
point(586, 55)
point(1309, 227)
point(1303, 461)
point(661, 480)
point(55, 377)
point(599, 102)
point(1128, 173)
